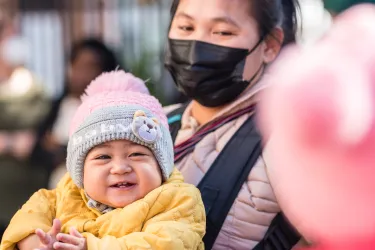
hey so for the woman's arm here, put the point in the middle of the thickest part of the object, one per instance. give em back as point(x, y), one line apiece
point(279, 196)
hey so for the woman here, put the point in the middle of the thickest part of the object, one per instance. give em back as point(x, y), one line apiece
point(217, 53)
point(88, 59)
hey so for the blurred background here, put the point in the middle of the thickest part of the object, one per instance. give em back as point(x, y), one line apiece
point(134, 29)
point(51, 49)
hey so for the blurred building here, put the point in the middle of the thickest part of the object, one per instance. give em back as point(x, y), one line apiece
point(136, 29)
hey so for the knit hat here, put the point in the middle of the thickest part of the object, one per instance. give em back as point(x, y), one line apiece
point(115, 106)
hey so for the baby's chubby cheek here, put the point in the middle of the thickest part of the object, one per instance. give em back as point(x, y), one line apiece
point(150, 178)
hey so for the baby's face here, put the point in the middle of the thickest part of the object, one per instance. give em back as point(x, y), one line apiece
point(117, 173)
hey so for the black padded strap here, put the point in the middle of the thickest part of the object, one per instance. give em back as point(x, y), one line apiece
point(223, 181)
point(280, 235)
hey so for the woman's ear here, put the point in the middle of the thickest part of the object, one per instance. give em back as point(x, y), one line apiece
point(272, 45)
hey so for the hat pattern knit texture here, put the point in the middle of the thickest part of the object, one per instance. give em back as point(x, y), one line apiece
point(118, 106)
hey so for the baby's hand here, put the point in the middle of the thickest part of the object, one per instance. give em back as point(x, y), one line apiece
point(72, 241)
point(48, 239)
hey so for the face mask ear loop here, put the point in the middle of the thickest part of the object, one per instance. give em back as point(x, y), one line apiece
point(262, 66)
point(256, 46)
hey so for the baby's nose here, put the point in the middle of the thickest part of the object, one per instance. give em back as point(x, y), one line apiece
point(121, 168)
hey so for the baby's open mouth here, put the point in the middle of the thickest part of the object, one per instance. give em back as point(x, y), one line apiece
point(123, 185)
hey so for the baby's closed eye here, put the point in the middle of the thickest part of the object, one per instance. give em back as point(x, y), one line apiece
point(102, 157)
point(138, 154)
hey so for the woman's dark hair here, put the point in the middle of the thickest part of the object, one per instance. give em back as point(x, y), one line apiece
point(107, 58)
point(270, 14)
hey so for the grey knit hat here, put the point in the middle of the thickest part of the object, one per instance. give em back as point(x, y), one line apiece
point(117, 106)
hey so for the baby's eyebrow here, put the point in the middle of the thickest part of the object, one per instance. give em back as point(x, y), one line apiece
point(103, 145)
point(133, 145)
point(128, 144)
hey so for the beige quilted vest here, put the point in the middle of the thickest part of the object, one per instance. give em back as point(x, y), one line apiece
point(255, 206)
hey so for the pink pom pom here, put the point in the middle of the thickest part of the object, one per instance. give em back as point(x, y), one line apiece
point(115, 81)
point(319, 118)
point(117, 88)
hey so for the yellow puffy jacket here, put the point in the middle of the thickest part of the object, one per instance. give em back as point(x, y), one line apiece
point(171, 217)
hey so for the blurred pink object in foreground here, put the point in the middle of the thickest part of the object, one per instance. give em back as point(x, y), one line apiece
point(319, 117)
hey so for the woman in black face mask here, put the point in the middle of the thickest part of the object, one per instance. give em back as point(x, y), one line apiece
point(217, 53)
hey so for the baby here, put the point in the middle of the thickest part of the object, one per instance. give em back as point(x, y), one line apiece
point(121, 190)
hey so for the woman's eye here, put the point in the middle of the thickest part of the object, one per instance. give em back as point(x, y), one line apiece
point(185, 28)
point(223, 33)
point(103, 157)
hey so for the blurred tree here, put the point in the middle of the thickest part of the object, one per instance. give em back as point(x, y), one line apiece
point(337, 6)
point(144, 69)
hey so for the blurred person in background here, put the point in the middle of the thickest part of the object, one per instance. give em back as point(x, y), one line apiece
point(88, 58)
point(23, 104)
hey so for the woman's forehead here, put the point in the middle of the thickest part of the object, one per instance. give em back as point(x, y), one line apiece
point(236, 10)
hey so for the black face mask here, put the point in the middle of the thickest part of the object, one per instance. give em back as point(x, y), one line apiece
point(210, 74)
